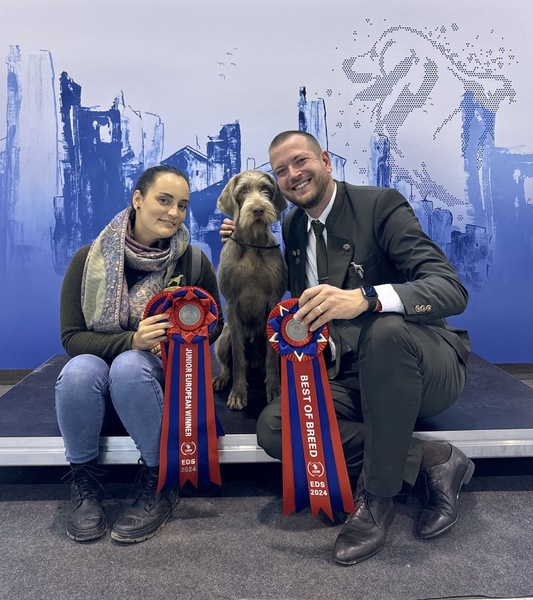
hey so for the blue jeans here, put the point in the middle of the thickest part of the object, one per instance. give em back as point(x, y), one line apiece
point(133, 384)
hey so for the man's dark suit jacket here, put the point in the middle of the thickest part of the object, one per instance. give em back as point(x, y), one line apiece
point(374, 237)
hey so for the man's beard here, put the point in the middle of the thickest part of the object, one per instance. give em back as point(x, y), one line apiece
point(322, 188)
point(314, 201)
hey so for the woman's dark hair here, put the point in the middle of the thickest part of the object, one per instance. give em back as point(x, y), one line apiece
point(148, 177)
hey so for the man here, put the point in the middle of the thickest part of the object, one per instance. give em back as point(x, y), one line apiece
point(385, 293)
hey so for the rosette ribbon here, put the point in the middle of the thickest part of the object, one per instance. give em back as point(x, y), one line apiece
point(189, 441)
point(313, 464)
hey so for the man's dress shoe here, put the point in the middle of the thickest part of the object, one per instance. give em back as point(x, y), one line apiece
point(440, 510)
point(364, 533)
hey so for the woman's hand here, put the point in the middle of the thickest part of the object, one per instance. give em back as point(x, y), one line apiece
point(151, 332)
point(156, 350)
point(227, 227)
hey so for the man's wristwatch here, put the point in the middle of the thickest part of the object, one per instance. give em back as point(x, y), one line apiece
point(369, 292)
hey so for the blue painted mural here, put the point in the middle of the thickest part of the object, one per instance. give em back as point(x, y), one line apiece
point(409, 110)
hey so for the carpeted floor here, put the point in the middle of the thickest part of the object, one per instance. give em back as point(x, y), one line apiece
point(234, 543)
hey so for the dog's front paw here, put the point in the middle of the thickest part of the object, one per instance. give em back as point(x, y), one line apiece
point(272, 392)
point(220, 383)
point(237, 401)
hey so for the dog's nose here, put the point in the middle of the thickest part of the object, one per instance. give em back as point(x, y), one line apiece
point(258, 212)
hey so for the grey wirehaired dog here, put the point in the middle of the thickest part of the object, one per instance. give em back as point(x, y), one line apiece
point(252, 276)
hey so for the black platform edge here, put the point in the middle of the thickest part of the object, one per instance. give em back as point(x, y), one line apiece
point(492, 418)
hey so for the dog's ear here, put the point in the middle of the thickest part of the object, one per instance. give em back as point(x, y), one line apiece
point(226, 201)
point(279, 199)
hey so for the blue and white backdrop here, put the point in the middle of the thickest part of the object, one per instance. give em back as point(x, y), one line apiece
point(432, 98)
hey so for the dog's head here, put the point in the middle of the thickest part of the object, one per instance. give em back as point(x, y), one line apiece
point(252, 197)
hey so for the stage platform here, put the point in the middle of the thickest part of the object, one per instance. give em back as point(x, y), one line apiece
point(492, 419)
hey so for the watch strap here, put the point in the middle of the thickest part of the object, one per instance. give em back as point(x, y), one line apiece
point(372, 304)
point(370, 293)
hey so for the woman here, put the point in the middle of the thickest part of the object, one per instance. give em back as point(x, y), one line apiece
point(116, 353)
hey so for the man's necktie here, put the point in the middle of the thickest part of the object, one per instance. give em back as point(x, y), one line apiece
point(321, 252)
point(322, 268)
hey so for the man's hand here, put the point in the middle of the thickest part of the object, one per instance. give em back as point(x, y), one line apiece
point(227, 227)
point(151, 332)
point(323, 303)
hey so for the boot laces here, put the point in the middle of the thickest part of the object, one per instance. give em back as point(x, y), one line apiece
point(145, 486)
point(361, 498)
point(360, 495)
point(85, 484)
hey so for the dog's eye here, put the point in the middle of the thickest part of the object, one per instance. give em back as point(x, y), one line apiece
point(265, 189)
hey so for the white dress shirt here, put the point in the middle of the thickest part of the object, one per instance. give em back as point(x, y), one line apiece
point(390, 301)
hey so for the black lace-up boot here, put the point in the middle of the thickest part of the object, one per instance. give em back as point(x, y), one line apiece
point(365, 531)
point(149, 511)
point(445, 469)
point(86, 520)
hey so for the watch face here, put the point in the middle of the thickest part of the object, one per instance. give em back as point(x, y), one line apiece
point(369, 291)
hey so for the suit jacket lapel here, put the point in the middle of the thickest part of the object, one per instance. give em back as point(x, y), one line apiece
point(340, 249)
point(298, 253)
